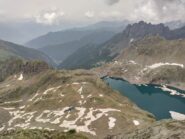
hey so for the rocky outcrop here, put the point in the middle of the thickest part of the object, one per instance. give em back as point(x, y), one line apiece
point(142, 29)
point(167, 129)
point(14, 66)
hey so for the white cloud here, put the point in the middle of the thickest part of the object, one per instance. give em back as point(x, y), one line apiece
point(1, 12)
point(145, 11)
point(97, 10)
point(112, 14)
point(49, 17)
point(89, 14)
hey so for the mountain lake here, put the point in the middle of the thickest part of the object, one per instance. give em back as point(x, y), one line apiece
point(163, 102)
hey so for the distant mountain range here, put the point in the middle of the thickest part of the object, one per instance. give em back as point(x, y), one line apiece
point(61, 51)
point(94, 55)
point(10, 50)
point(74, 34)
point(175, 24)
point(21, 32)
point(56, 38)
point(61, 44)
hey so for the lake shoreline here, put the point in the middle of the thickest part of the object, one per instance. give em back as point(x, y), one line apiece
point(180, 87)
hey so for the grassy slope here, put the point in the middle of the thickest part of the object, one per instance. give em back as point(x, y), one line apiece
point(53, 101)
point(9, 50)
point(155, 49)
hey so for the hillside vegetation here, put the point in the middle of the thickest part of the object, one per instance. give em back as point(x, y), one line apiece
point(166, 129)
point(40, 134)
point(13, 66)
point(10, 50)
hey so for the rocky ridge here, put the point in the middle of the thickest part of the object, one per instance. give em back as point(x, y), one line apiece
point(150, 60)
point(166, 129)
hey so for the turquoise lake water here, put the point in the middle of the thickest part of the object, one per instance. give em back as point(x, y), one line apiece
point(150, 98)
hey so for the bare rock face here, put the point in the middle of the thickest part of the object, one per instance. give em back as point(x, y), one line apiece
point(142, 29)
point(167, 129)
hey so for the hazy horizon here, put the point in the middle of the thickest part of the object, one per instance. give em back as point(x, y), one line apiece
point(23, 20)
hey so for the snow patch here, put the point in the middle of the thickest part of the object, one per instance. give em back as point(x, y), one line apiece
point(84, 83)
point(57, 115)
point(49, 129)
point(89, 118)
point(21, 115)
point(16, 115)
point(23, 125)
point(115, 62)
point(31, 99)
point(111, 122)
point(131, 40)
point(137, 78)
point(36, 128)
point(157, 65)
point(7, 85)
point(9, 109)
point(80, 92)
point(10, 102)
point(62, 95)
point(80, 102)
point(22, 107)
point(2, 128)
point(89, 96)
point(60, 117)
point(145, 85)
point(54, 89)
point(172, 92)
point(20, 77)
point(75, 83)
point(136, 123)
point(42, 120)
point(132, 62)
point(124, 70)
point(101, 95)
point(177, 116)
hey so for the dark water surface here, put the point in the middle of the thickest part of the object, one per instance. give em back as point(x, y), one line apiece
point(150, 98)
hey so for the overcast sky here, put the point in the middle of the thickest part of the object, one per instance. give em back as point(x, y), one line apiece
point(55, 11)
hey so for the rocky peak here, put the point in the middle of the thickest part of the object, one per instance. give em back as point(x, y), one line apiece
point(141, 29)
